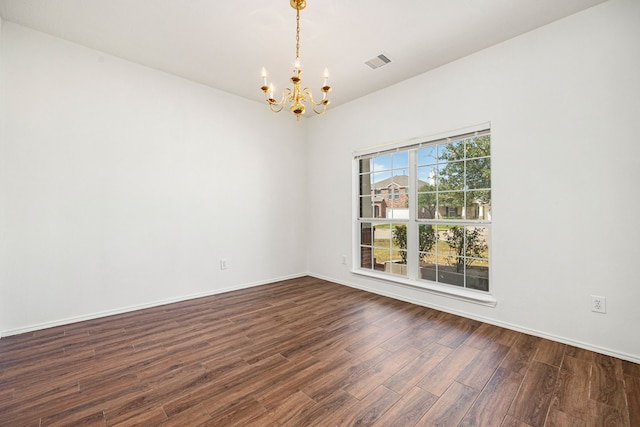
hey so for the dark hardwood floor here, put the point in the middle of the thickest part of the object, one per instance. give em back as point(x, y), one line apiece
point(306, 352)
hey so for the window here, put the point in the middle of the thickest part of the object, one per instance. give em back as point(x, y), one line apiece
point(439, 230)
point(394, 193)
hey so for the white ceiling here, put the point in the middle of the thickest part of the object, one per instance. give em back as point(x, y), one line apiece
point(224, 44)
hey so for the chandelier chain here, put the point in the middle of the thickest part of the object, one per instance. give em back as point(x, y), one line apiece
point(297, 33)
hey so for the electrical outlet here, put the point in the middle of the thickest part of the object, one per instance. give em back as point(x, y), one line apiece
point(223, 264)
point(343, 259)
point(598, 304)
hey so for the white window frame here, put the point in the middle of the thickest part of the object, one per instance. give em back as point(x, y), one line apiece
point(466, 294)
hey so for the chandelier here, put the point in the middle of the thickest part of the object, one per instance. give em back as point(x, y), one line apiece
point(298, 96)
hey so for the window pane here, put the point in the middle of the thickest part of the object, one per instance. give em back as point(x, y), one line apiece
point(379, 207)
point(477, 258)
point(366, 251)
point(450, 204)
point(381, 258)
point(401, 176)
point(465, 253)
point(402, 197)
point(382, 245)
point(478, 173)
point(380, 183)
point(366, 165)
point(427, 177)
point(399, 236)
point(397, 213)
point(477, 278)
point(366, 258)
point(366, 207)
point(441, 244)
point(397, 265)
point(382, 162)
point(400, 160)
point(365, 184)
point(451, 240)
point(451, 151)
point(450, 176)
point(476, 244)
point(427, 206)
point(380, 179)
point(427, 155)
point(427, 198)
point(366, 234)
point(382, 236)
point(451, 271)
point(399, 256)
point(426, 238)
point(428, 267)
point(401, 181)
point(479, 147)
point(479, 205)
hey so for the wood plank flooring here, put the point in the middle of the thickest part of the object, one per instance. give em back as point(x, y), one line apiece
point(306, 352)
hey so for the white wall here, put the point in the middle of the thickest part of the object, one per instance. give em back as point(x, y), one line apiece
point(115, 180)
point(121, 186)
point(564, 103)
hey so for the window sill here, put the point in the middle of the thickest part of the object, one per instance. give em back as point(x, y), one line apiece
point(468, 295)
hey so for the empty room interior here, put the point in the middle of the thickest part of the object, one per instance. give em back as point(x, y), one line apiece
point(437, 224)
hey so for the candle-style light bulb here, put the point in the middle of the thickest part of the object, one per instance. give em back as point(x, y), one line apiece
point(271, 91)
point(264, 76)
point(297, 65)
point(326, 76)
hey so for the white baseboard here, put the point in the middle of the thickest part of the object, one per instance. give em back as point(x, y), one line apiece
point(514, 327)
point(92, 316)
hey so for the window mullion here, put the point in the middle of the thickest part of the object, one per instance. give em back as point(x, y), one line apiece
point(412, 226)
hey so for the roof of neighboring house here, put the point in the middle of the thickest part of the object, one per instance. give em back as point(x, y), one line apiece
point(399, 180)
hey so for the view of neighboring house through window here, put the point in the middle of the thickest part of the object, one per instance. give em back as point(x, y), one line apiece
point(383, 172)
point(434, 224)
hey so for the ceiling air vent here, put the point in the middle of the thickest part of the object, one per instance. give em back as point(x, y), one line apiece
point(378, 61)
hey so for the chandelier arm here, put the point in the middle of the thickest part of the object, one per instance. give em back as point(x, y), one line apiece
point(287, 95)
point(273, 105)
point(275, 109)
point(307, 91)
point(315, 104)
point(324, 108)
